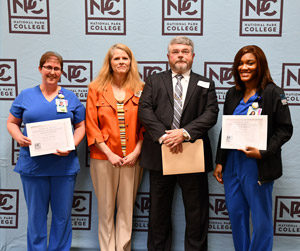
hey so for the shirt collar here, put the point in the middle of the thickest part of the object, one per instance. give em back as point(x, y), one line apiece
point(185, 75)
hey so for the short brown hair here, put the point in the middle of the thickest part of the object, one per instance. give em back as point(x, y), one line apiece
point(48, 55)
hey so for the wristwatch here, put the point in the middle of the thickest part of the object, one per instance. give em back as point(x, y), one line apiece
point(185, 135)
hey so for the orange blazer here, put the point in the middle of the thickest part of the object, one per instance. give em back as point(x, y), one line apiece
point(102, 123)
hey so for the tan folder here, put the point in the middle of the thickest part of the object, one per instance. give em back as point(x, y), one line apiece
point(191, 160)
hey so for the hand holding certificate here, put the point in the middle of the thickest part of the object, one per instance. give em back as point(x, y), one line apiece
point(238, 132)
point(48, 136)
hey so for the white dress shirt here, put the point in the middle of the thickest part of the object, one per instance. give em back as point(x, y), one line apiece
point(185, 83)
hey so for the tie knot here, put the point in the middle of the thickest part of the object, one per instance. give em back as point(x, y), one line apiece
point(179, 77)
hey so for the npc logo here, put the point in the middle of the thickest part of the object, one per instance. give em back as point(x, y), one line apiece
point(182, 17)
point(29, 16)
point(8, 79)
point(105, 17)
point(15, 150)
point(76, 76)
point(141, 212)
point(81, 210)
point(261, 18)
point(221, 74)
point(291, 82)
point(218, 216)
point(287, 216)
point(9, 208)
point(148, 68)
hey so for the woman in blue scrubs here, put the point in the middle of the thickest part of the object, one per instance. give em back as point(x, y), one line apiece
point(248, 174)
point(47, 179)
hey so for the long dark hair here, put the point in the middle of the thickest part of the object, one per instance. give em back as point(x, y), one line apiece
point(263, 76)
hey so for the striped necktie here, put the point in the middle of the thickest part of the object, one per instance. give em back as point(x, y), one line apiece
point(177, 103)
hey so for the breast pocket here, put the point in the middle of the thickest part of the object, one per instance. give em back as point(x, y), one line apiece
point(102, 103)
point(105, 114)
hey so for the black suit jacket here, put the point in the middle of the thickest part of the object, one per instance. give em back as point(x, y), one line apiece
point(156, 111)
point(280, 129)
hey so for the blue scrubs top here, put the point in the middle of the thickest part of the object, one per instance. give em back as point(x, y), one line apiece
point(31, 106)
point(237, 159)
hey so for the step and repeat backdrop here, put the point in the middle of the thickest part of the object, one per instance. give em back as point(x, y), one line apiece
point(82, 32)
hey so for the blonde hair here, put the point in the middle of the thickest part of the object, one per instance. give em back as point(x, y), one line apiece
point(132, 81)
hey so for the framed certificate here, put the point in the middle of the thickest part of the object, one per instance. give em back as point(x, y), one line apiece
point(240, 131)
point(48, 136)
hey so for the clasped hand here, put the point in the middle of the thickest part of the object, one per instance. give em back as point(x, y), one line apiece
point(173, 139)
point(128, 160)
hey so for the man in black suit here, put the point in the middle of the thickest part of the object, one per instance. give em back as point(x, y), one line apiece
point(159, 107)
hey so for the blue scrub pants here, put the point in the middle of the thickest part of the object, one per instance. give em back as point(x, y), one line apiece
point(40, 191)
point(243, 195)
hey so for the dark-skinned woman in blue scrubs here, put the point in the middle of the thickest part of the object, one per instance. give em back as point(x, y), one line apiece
point(248, 174)
point(47, 179)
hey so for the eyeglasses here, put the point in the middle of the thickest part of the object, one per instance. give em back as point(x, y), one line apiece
point(50, 68)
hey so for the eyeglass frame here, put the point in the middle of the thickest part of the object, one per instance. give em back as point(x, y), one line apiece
point(50, 68)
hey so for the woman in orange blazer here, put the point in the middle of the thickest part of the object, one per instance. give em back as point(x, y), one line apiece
point(114, 135)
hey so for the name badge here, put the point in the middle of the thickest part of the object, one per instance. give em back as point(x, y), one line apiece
point(254, 111)
point(61, 105)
